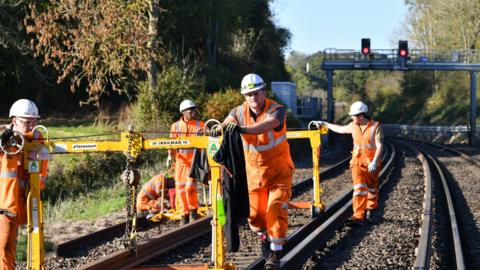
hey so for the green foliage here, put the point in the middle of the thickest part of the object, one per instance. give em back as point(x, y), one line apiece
point(158, 108)
point(227, 38)
point(314, 80)
point(454, 88)
point(76, 174)
point(21, 254)
point(87, 206)
point(219, 104)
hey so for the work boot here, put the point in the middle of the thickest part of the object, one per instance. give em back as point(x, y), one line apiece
point(185, 219)
point(193, 214)
point(353, 222)
point(273, 260)
point(265, 246)
point(369, 215)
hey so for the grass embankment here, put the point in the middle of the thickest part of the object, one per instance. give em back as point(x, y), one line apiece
point(86, 186)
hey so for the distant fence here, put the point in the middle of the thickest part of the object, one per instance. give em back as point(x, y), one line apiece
point(439, 134)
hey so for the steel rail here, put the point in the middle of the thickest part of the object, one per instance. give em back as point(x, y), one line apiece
point(423, 250)
point(147, 250)
point(452, 150)
point(302, 243)
point(154, 247)
point(454, 226)
point(109, 233)
point(457, 242)
point(66, 248)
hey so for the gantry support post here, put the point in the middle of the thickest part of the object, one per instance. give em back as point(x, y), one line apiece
point(473, 108)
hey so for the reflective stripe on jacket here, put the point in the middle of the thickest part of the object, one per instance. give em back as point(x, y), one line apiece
point(184, 129)
point(150, 192)
point(263, 152)
point(364, 146)
point(14, 180)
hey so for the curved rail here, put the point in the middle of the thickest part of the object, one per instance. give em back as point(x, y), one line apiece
point(432, 167)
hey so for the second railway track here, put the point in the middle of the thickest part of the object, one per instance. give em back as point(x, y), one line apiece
point(391, 242)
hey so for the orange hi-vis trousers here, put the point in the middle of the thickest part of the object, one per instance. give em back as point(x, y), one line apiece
point(365, 191)
point(185, 188)
point(8, 241)
point(269, 210)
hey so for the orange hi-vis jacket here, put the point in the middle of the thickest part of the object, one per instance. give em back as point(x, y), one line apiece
point(364, 146)
point(264, 153)
point(269, 174)
point(365, 184)
point(185, 129)
point(150, 192)
point(14, 181)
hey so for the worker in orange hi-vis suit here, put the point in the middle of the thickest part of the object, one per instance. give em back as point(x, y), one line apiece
point(186, 187)
point(269, 166)
point(14, 179)
point(149, 197)
point(365, 164)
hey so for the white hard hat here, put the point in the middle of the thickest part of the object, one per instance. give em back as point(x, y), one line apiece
point(358, 107)
point(186, 104)
point(24, 108)
point(252, 82)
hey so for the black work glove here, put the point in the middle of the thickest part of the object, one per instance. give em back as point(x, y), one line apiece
point(231, 127)
point(6, 135)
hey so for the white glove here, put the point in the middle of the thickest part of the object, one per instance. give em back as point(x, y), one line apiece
point(372, 166)
point(168, 163)
point(321, 123)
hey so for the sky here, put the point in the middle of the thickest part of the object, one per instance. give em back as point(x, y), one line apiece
point(319, 24)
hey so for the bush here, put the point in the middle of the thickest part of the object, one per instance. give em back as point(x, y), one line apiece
point(81, 174)
point(158, 108)
point(219, 104)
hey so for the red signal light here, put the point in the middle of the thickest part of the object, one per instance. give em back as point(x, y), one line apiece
point(365, 46)
point(403, 48)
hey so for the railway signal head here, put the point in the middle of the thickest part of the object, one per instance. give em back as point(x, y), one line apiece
point(365, 46)
point(403, 48)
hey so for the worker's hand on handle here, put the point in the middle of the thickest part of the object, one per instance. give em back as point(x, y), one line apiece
point(6, 135)
point(320, 123)
point(372, 166)
point(214, 132)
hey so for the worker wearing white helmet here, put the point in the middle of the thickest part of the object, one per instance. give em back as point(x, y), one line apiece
point(185, 186)
point(269, 167)
point(13, 178)
point(365, 164)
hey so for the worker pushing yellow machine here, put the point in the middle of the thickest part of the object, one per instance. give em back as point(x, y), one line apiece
point(131, 143)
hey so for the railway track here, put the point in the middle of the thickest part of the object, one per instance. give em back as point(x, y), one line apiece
point(81, 248)
point(243, 259)
point(318, 243)
point(420, 223)
point(459, 174)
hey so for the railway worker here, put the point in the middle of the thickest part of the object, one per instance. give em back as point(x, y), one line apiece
point(186, 187)
point(262, 123)
point(149, 197)
point(14, 179)
point(365, 164)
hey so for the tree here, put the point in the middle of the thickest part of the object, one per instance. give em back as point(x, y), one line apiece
point(444, 24)
point(101, 42)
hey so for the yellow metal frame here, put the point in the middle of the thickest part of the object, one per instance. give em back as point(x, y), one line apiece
point(314, 135)
point(137, 144)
